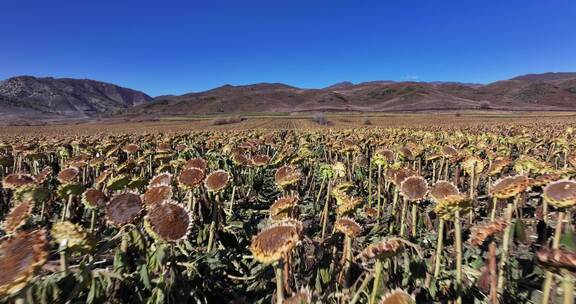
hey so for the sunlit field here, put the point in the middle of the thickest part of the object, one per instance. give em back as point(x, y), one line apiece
point(367, 208)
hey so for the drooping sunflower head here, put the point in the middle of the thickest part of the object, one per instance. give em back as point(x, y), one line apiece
point(168, 222)
point(123, 209)
point(498, 165)
point(561, 194)
point(260, 160)
point(18, 216)
point(75, 236)
point(347, 204)
point(473, 164)
point(414, 188)
point(68, 175)
point(339, 169)
point(447, 207)
point(556, 259)
point(382, 250)
point(348, 227)
point(442, 189)
point(156, 195)
point(326, 171)
point(286, 175)
point(397, 296)
point(191, 178)
point(198, 163)
point(274, 242)
point(217, 181)
point(94, 198)
point(509, 186)
point(282, 207)
point(21, 256)
point(118, 182)
point(16, 180)
point(479, 233)
point(304, 296)
point(162, 179)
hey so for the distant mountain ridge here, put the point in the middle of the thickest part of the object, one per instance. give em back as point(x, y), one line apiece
point(27, 97)
point(65, 97)
point(549, 91)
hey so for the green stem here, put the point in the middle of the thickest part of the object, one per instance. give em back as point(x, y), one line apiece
point(64, 257)
point(379, 206)
point(325, 211)
point(93, 221)
point(547, 286)
point(402, 216)
point(568, 288)
point(232, 201)
point(494, 205)
point(361, 289)
point(505, 245)
point(348, 260)
point(279, 283)
point(414, 215)
point(439, 245)
point(370, 185)
point(458, 249)
point(319, 194)
point(376, 283)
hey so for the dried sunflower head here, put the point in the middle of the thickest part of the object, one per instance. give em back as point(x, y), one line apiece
point(118, 182)
point(286, 176)
point(18, 216)
point(473, 164)
point(94, 198)
point(198, 163)
point(561, 194)
point(442, 189)
point(339, 169)
point(66, 190)
point(43, 175)
point(304, 296)
point(497, 166)
point(282, 207)
point(260, 160)
point(348, 227)
point(556, 259)
point(509, 186)
point(446, 208)
point(274, 242)
point(76, 236)
point(414, 188)
point(348, 204)
point(479, 233)
point(21, 256)
point(68, 175)
point(162, 179)
point(397, 296)
point(156, 195)
point(191, 177)
point(168, 222)
point(16, 180)
point(123, 209)
point(31, 193)
point(217, 180)
point(382, 250)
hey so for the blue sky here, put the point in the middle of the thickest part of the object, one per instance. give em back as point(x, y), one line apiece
point(163, 47)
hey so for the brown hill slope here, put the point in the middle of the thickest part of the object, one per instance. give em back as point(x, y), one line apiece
point(550, 91)
point(27, 96)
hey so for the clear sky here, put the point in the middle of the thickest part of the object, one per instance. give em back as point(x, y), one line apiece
point(163, 47)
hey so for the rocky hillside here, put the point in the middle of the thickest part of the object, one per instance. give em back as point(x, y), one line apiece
point(27, 96)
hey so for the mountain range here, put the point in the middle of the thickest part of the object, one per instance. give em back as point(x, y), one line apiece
point(27, 97)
